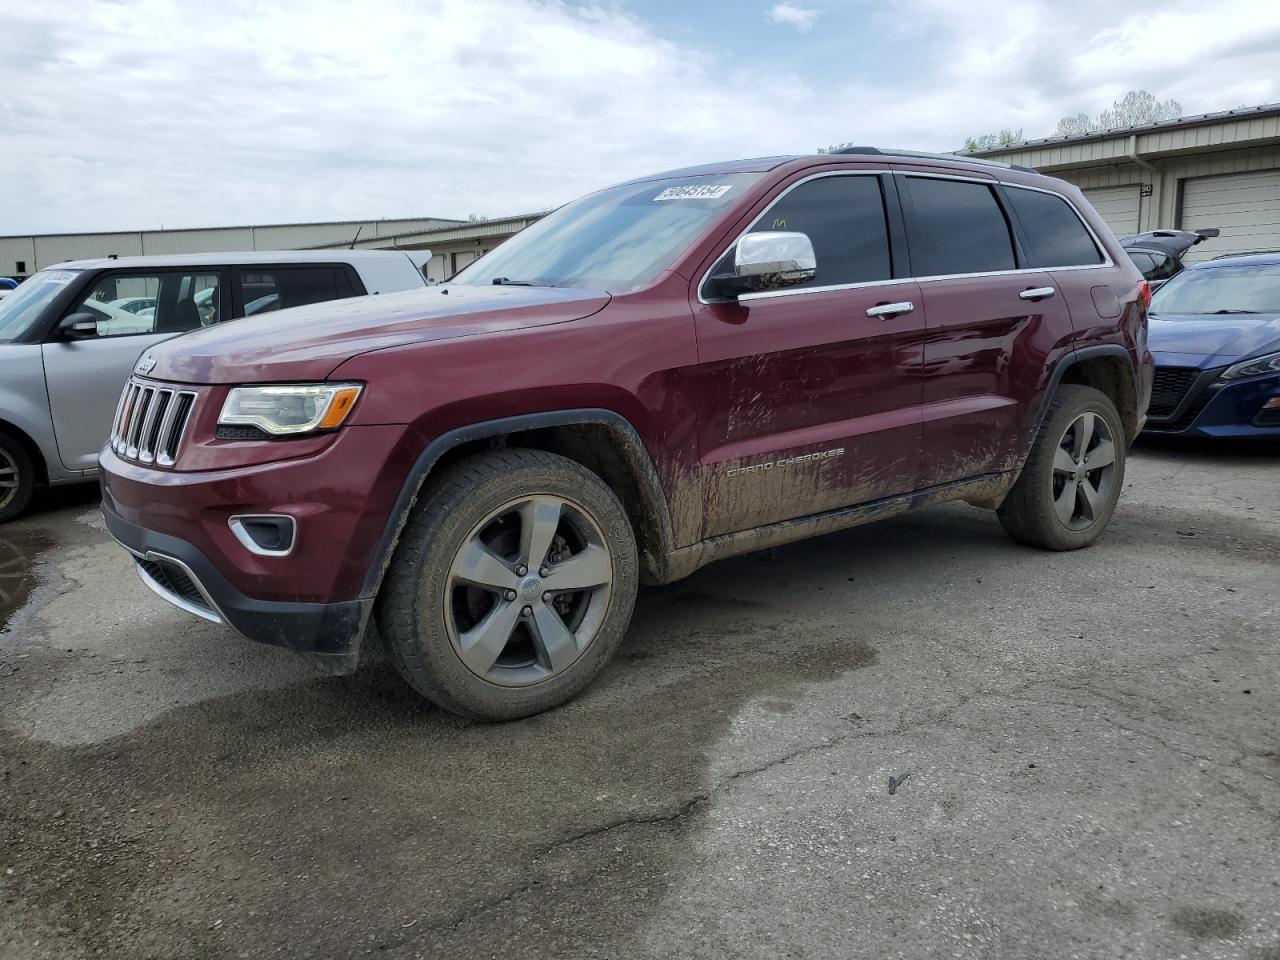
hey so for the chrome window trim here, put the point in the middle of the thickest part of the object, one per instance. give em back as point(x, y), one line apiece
point(988, 181)
point(236, 523)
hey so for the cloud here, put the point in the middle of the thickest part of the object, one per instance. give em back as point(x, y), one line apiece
point(133, 113)
point(802, 18)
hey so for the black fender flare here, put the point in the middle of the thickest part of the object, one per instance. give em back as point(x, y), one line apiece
point(655, 501)
point(1066, 362)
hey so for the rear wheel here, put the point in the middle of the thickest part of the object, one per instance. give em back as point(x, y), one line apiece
point(512, 586)
point(1068, 489)
point(17, 477)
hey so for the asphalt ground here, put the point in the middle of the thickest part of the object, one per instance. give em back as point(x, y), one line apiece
point(1092, 741)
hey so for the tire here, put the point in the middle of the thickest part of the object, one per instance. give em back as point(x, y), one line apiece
point(1058, 503)
point(17, 477)
point(460, 581)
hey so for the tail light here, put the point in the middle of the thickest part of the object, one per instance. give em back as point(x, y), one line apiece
point(1144, 294)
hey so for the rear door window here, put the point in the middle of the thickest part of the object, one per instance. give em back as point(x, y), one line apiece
point(1163, 266)
point(955, 227)
point(278, 288)
point(1056, 234)
point(1144, 262)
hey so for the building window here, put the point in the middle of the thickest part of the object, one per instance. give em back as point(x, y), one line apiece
point(21, 266)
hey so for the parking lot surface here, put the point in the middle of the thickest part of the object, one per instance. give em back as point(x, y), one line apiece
point(1092, 741)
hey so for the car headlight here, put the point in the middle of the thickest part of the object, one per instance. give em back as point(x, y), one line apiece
point(286, 410)
point(1253, 368)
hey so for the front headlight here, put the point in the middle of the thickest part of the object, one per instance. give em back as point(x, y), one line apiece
point(1253, 368)
point(290, 409)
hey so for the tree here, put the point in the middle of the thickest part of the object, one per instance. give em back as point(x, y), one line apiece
point(1137, 108)
point(1075, 126)
point(988, 140)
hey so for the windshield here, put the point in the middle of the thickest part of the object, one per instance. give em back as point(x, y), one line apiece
point(616, 240)
point(24, 306)
point(1254, 288)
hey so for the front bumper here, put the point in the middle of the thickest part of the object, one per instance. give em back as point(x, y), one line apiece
point(316, 597)
point(177, 571)
point(1212, 408)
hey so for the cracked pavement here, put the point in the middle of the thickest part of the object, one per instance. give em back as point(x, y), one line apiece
point(1092, 739)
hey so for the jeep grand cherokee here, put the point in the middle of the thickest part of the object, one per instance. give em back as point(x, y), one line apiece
point(656, 376)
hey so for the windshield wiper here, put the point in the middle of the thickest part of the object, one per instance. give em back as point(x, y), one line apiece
point(1233, 310)
point(508, 282)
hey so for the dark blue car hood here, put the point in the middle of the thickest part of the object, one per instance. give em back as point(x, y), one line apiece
point(1205, 341)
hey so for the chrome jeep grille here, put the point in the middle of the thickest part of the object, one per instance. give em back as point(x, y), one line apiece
point(150, 421)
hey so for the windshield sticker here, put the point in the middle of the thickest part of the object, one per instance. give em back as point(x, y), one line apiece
point(695, 191)
point(58, 276)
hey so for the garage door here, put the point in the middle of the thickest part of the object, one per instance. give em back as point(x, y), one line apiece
point(1118, 206)
point(1244, 206)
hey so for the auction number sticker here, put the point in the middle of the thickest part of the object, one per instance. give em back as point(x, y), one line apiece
point(59, 276)
point(695, 191)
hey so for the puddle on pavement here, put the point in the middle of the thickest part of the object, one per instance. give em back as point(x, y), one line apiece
point(19, 570)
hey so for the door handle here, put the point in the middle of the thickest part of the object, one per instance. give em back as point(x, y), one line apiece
point(886, 310)
point(1038, 293)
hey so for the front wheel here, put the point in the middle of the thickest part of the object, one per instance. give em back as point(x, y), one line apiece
point(512, 586)
point(1069, 486)
point(17, 477)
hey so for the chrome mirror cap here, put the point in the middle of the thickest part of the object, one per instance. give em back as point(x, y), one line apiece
point(769, 260)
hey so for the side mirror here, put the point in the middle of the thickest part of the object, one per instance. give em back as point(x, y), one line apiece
point(79, 326)
point(769, 260)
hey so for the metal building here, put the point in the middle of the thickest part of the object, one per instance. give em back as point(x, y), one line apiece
point(1213, 170)
point(23, 255)
point(454, 245)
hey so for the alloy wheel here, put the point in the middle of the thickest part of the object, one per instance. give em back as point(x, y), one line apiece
point(9, 479)
point(528, 590)
point(1084, 465)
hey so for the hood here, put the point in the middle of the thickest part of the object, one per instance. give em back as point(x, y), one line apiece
point(308, 343)
point(1206, 341)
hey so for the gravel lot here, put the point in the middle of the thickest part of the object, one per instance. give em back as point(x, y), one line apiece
point(1093, 741)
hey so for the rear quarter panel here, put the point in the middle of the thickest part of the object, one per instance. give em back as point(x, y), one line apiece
point(1105, 302)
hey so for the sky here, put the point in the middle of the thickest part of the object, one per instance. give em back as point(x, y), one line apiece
point(132, 114)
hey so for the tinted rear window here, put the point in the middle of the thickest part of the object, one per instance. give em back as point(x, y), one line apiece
point(278, 288)
point(954, 226)
point(1056, 234)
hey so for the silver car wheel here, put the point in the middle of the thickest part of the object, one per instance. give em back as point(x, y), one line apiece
point(1083, 471)
point(528, 590)
point(9, 479)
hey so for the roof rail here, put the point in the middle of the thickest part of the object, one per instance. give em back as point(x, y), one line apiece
point(923, 155)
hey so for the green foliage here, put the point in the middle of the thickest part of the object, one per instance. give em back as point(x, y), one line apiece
point(987, 141)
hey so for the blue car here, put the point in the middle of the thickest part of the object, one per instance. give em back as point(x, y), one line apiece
point(1215, 334)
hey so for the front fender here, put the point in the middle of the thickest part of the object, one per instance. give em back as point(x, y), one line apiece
point(24, 403)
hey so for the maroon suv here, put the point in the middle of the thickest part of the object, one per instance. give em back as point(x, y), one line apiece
point(661, 374)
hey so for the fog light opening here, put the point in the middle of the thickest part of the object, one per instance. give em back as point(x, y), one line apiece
point(266, 534)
